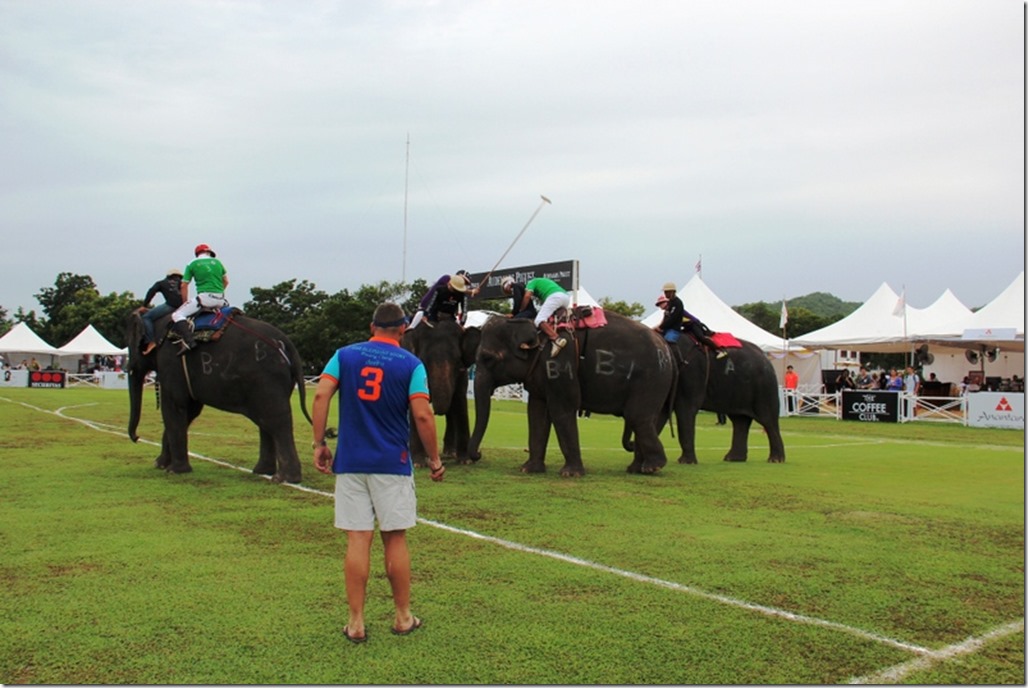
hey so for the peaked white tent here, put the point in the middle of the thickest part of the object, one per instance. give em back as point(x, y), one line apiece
point(881, 324)
point(22, 340)
point(90, 342)
point(719, 316)
point(999, 323)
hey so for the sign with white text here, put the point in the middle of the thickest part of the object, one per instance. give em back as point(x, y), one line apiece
point(996, 410)
point(870, 406)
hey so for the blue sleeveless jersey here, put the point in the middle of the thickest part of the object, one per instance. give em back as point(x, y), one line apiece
point(377, 379)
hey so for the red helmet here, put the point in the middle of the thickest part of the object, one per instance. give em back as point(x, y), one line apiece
point(203, 248)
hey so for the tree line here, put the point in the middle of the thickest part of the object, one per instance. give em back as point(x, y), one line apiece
point(318, 323)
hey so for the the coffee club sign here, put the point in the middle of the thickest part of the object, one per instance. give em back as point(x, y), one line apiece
point(868, 406)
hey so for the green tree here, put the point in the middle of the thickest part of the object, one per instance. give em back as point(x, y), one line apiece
point(68, 290)
point(5, 323)
point(635, 310)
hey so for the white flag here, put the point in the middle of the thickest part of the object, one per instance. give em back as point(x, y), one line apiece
point(785, 316)
point(901, 304)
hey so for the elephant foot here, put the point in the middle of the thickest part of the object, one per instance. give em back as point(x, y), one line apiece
point(161, 462)
point(279, 478)
point(687, 459)
point(263, 470)
point(734, 458)
point(533, 467)
point(179, 468)
point(572, 471)
point(776, 459)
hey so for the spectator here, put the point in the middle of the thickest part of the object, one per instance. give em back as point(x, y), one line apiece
point(381, 387)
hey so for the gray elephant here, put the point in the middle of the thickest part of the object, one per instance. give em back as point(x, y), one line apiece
point(623, 369)
point(447, 350)
point(741, 385)
point(251, 369)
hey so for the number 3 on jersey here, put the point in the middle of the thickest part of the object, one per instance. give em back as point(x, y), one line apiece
point(372, 388)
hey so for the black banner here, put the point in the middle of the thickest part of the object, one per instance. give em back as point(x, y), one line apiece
point(47, 378)
point(564, 273)
point(870, 406)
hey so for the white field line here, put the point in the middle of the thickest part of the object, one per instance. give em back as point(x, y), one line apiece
point(926, 656)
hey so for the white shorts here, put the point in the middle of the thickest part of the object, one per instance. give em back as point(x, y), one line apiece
point(361, 498)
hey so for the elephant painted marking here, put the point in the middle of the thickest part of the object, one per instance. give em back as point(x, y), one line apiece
point(623, 369)
point(742, 385)
point(447, 350)
point(251, 370)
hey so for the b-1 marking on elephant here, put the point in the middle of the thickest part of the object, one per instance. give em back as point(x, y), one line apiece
point(225, 375)
point(622, 369)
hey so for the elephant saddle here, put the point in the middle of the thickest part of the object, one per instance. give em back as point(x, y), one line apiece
point(579, 318)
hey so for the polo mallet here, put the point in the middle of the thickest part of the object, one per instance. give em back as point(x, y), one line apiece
point(545, 201)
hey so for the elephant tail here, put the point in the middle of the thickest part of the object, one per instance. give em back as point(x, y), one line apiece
point(297, 369)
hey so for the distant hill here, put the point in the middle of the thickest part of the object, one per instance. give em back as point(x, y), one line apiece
point(806, 313)
point(824, 305)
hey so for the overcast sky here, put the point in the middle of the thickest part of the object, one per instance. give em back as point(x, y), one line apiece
point(797, 146)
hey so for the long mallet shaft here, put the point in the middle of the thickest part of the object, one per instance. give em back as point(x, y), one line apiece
point(545, 201)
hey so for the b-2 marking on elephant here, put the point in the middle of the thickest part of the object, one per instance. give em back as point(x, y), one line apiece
point(258, 386)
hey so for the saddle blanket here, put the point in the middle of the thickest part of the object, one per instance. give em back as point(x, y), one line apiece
point(212, 320)
point(595, 319)
point(725, 340)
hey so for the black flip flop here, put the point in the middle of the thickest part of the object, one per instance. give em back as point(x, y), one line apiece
point(354, 639)
point(413, 627)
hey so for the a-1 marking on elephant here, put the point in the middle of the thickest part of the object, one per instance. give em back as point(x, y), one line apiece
point(623, 369)
point(251, 370)
point(447, 351)
point(741, 385)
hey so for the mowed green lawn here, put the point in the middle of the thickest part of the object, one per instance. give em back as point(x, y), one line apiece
point(878, 553)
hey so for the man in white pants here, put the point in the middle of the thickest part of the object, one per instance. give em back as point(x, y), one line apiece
point(211, 281)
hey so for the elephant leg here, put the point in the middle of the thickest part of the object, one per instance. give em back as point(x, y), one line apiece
point(740, 438)
point(458, 418)
point(566, 425)
point(538, 436)
point(288, 460)
point(686, 421)
point(163, 459)
point(774, 438)
point(449, 439)
point(649, 453)
point(176, 433)
point(266, 458)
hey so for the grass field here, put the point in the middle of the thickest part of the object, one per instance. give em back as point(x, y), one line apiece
point(877, 553)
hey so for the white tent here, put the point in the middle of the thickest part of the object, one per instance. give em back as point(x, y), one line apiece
point(22, 341)
point(719, 316)
point(90, 341)
point(583, 298)
point(998, 323)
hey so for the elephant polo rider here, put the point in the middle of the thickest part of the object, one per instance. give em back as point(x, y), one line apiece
point(449, 295)
point(171, 289)
point(516, 292)
point(552, 297)
point(211, 280)
point(677, 320)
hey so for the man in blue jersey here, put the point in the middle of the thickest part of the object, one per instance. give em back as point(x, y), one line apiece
point(380, 385)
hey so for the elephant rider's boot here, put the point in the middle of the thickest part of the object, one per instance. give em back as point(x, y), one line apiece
point(185, 335)
point(558, 342)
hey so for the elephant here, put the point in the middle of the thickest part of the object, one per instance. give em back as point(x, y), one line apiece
point(741, 385)
point(251, 369)
point(447, 350)
point(622, 368)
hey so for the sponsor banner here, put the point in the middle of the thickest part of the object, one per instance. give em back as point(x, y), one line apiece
point(47, 378)
point(870, 406)
point(564, 273)
point(15, 378)
point(996, 410)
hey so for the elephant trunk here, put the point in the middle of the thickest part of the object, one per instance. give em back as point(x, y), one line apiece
point(441, 383)
point(135, 385)
point(484, 388)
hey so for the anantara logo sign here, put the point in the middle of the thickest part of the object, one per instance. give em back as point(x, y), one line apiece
point(46, 378)
point(995, 410)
